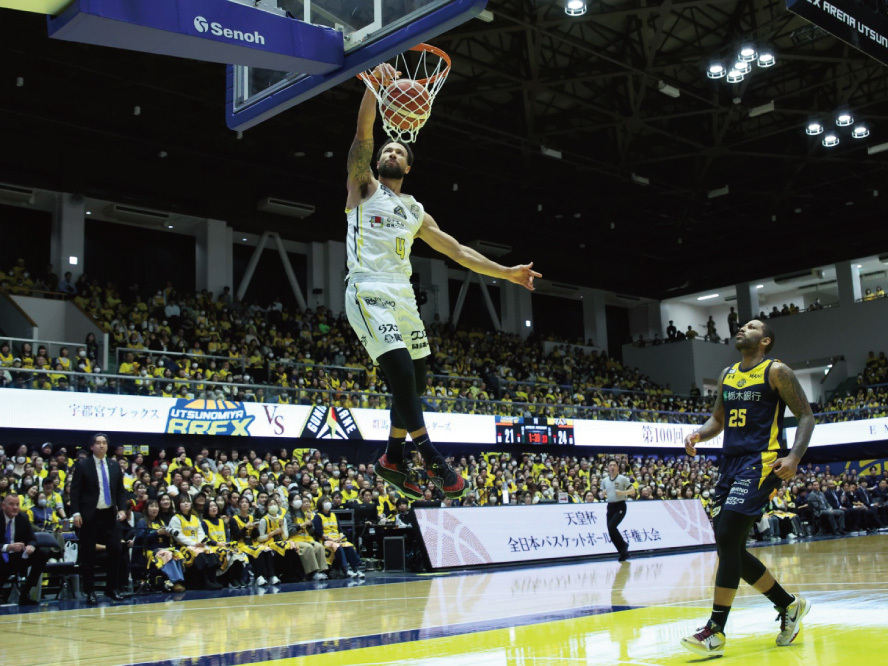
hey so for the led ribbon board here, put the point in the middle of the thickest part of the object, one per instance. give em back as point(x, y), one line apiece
point(210, 30)
point(859, 24)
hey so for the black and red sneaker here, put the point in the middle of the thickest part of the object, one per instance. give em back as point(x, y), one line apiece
point(400, 475)
point(447, 480)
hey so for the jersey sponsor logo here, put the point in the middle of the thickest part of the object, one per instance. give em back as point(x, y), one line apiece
point(419, 345)
point(739, 491)
point(376, 222)
point(331, 423)
point(364, 340)
point(393, 337)
point(417, 335)
point(414, 210)
point(748, 396)
point(208, 417)
point(381, 302)
point(387, 328)
point(399, 210)
point(734, 500)
point(741, 383)
point(395, 224)
point(757, 375)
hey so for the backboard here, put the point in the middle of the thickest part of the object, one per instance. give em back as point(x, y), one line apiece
point(373, 31)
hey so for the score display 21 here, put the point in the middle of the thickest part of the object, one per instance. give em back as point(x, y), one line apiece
point(538, 430)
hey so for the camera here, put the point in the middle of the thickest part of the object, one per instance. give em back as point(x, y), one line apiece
point(173, 533)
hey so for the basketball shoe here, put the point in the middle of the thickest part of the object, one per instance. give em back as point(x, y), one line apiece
point(400, 475)
point(709, 641)
point(447, 480)
point(791, 620)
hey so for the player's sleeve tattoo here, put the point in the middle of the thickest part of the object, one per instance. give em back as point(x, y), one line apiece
point(359, 156)
point(792, 393)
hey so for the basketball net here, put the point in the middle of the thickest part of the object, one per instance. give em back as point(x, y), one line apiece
point(405, 108)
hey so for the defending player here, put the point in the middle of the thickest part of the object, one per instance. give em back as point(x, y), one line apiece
point(752, 396)
point(379, 300)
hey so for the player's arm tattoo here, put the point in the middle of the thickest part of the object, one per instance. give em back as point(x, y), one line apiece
point(792, 393)
point(716, 421)
point(359, 156)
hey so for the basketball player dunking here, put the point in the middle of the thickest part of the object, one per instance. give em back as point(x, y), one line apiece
point(379, 300)
point(753, 395)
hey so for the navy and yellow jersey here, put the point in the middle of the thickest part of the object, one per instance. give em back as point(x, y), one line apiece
point(216, 530)
point(753, 411)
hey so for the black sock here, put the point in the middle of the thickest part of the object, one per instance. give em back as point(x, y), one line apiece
point(430, 455)
point(719, 616)
point(779, 597)
point(394, 452)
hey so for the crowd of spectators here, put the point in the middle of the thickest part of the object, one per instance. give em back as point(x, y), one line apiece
point(289, 490)
point(206, 346)
point(869, 400)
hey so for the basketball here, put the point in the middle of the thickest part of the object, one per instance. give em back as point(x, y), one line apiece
point(406, 104)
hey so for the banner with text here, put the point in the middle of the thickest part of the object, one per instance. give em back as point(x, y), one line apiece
point(63, 410)
point(863, 25)
point(467, 536)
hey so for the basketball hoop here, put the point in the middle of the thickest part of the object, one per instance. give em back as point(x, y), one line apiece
point(406, 103)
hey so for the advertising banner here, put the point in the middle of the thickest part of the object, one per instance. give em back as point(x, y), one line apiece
point(469, 536)
point(65, 410)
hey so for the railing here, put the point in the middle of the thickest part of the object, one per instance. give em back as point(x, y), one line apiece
point(240, 363)
point(53, 347)
point(196, 389)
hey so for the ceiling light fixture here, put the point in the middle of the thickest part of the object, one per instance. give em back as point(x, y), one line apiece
point(718, 192)
point(575, 7)
point(716, 71)
point(766, 60)
point(759, 286)
point(742, 66)
point(707, 297)
point(666, 89)
point(880, 148)
point(860, 132)
point(734, 76)
point(748, 54)
point(814, 128)
point(844, 119)
point(761, 110)
point(830, 141)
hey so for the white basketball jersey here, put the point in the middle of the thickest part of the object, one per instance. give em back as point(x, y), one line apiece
point(380, 233)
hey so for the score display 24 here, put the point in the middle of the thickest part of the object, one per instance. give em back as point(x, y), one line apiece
point(535, 430)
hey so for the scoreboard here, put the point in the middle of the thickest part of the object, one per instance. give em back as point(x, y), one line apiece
point(534, 430)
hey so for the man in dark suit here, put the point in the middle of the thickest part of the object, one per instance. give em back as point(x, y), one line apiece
point(19, 549)
point(98, 500)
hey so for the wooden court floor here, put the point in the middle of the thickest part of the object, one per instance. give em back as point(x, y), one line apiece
point(601, 612)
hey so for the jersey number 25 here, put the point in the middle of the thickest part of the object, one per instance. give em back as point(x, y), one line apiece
point(737, 418)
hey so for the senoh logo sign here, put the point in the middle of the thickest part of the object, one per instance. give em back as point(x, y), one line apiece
point(217, 29)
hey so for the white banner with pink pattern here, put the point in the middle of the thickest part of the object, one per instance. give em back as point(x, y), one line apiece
point(470, 536)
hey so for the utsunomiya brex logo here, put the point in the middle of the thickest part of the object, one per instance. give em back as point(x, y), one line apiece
point(209, 417)
point(215, 28)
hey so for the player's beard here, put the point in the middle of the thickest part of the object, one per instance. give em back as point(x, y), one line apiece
point(391, 170)
point(745, 343)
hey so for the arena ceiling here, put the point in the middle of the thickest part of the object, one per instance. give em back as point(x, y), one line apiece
point(586, 87)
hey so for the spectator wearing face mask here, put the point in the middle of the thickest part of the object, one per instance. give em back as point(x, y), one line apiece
point(274, 533)
point(340, 553)
point(300, 527)
point(42, 514)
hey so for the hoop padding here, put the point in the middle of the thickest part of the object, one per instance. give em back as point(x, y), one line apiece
point(405, 104)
